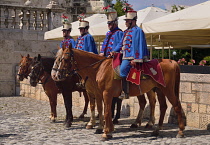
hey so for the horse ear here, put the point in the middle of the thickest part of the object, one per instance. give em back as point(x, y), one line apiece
point(21, 55)
point(28, 55)
point(59, 48)
point(39, 57)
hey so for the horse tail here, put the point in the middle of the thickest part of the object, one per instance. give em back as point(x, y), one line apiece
point(177, 79)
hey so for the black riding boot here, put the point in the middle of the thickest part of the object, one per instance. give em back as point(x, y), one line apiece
point(125, 87)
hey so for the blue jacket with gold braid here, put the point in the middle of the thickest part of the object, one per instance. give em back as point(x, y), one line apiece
point(67, 42)
point(110, 42)
point(133, 45)
point(86, 43)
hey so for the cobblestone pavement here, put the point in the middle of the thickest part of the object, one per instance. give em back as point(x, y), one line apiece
point(25, 121)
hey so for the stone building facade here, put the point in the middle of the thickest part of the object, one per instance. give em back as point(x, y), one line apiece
point(22, 27)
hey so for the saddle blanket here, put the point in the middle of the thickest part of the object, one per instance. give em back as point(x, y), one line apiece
point(151, 68)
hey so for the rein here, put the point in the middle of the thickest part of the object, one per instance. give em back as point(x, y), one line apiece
point(72, 61)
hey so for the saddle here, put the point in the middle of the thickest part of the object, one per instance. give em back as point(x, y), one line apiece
point(141, 71)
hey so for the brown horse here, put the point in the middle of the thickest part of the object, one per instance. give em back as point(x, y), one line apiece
point(49, 86)
point(104, 87)
point(141, 99)
point(24, 68)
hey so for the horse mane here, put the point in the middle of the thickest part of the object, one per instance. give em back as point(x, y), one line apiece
point(91, 55)
point(47, 63)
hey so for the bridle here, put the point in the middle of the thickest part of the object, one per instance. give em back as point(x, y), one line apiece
point(36, 74)
point(26, 72)
point(74, 62)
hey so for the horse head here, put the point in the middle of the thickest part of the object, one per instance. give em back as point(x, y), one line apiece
point(24, 67)
point(62, 65)
point(37, 70)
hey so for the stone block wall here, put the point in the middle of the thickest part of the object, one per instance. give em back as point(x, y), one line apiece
point(194, 97)
point(13, 44)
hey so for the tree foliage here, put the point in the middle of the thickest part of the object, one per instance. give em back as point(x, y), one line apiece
point(118, 7)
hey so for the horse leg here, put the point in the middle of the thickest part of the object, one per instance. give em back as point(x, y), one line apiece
point(53, 104)
point(142, 104)
point(119, 104)
point(117, 101)
point(152, 101)
point(86, 105)
point(109, 127)
point(99, 130)
point(67, 97)
point(174, 100)
point(92, 121)
point(163, 108)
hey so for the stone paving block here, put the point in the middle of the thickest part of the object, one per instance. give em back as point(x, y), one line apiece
point(6, 72)
point(195, 78)
point(30, 35)
point(204, 97)
point(204, 121)
point(193, 119)
point(202, 108)
point(197, 86)
point(185, 87)
point(194, 107)
point(6, 88)
point(206, 87)
point(208, 109)
point(186, 97)
point(6, 45)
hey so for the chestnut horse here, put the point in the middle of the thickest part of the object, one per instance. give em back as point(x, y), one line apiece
point(141, 99)
point(102, 83)
point(51, 89)
point(24, 67)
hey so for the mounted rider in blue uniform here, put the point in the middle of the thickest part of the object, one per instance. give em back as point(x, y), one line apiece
point(133, 46)
point(67, 39)
point(113, 36)
point(86, 41)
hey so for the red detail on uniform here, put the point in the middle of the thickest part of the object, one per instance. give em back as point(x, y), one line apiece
point(146, 68)
point(137, 54)
point(128, 50)
point(136, 73)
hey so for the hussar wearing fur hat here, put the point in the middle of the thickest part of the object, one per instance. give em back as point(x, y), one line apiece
point(85, 42)
point(66, 33)
point(113, 36)
point(133, 46)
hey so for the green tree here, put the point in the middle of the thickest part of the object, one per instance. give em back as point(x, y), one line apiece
point(176, 8)
point(118, 7)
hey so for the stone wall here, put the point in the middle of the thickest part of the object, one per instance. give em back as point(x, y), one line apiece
point(194, 96)
point(13, 44)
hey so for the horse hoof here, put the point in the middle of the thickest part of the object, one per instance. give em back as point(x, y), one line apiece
point(89, 127)
point(115, 121)
point(99, 131)
point(155, 133)
point(148, 126)
point(52, 120)
point(180, 135)
point(106, 137)
point(68, 125)
point(134, 126)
